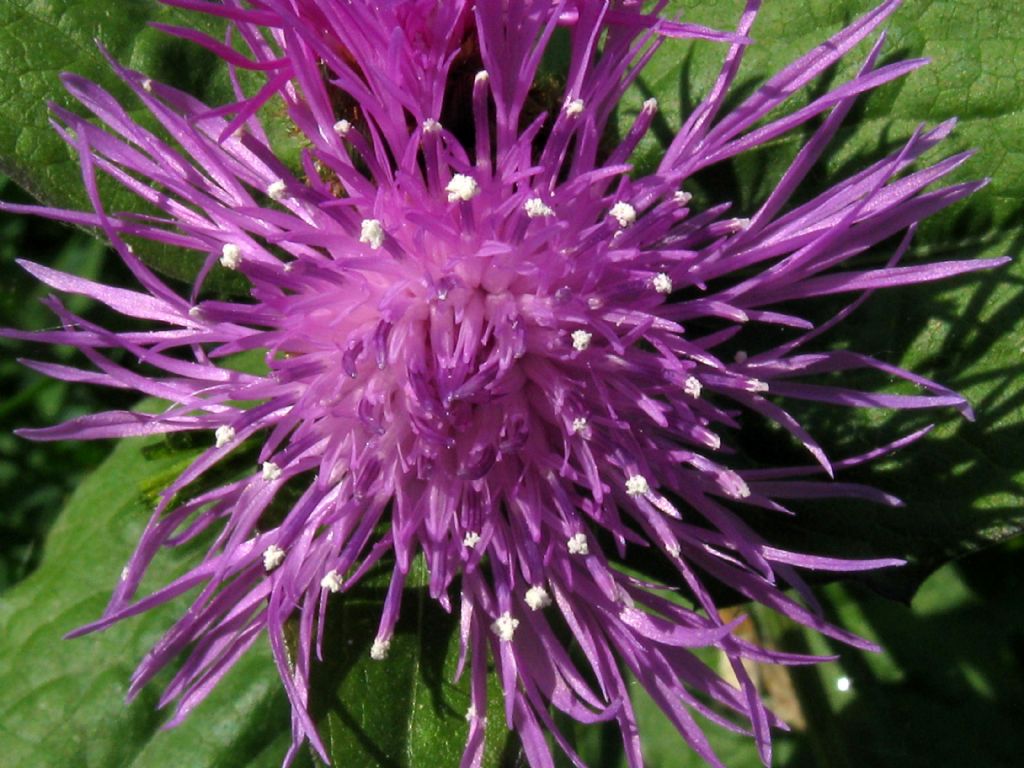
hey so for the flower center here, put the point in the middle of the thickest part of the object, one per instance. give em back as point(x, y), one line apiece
point(463, 377)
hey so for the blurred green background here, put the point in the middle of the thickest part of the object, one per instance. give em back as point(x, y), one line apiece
point(35, 479)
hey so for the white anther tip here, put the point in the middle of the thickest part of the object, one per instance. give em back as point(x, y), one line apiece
point(537, 598)
point(623, 213)
point(371, 233)
point(276, 190)
point(331, 582)
point(462, 188)
point(535, 207)
point(230, 256)
point(578, 544)
point(581, 339)
point(223, 435)
point(379, 649)
point(637, 485)
point(573, 107)
point(505, 627)
point(273, 556)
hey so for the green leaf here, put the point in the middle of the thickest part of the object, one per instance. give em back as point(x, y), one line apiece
point(41, 40)
point(61, 701)
point(32, 494)
point(964, 484)
point(945, 691)
point(405, 711)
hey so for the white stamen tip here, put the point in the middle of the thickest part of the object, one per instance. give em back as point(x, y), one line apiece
point(276, 191)
point(379, 649)
point(682, 198)
point(342, 127)
point(574, 107)
point(230, 256)
point(581, 339)
point(651, 106)
point(194, 312)
point(843, 684)
point(371, 232)
point(756, 385)
point(623, 213)
point(471, 539)
point(271, 471)
point(578, 544)
point(505, 627)
point(273, 556)
point(223, 435)
point(579, 425)
point(692, 387)
point(739, 225)
point(537, 597)
point(673, 550)
point(124, 573)
point(430, 125)
point(713, 441)
point(535, 207)
point(331, 582)
point(636, 485)
point(482, 76)
point(471, 714)
point(147, 85)
point(462, 188)
point(662, 283)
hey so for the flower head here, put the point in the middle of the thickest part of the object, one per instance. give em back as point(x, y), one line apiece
point(486, 344)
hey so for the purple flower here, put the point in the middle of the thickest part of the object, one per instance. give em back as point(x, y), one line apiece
point(486, 343)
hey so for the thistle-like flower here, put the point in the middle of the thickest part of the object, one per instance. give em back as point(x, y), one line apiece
point(486, 344)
